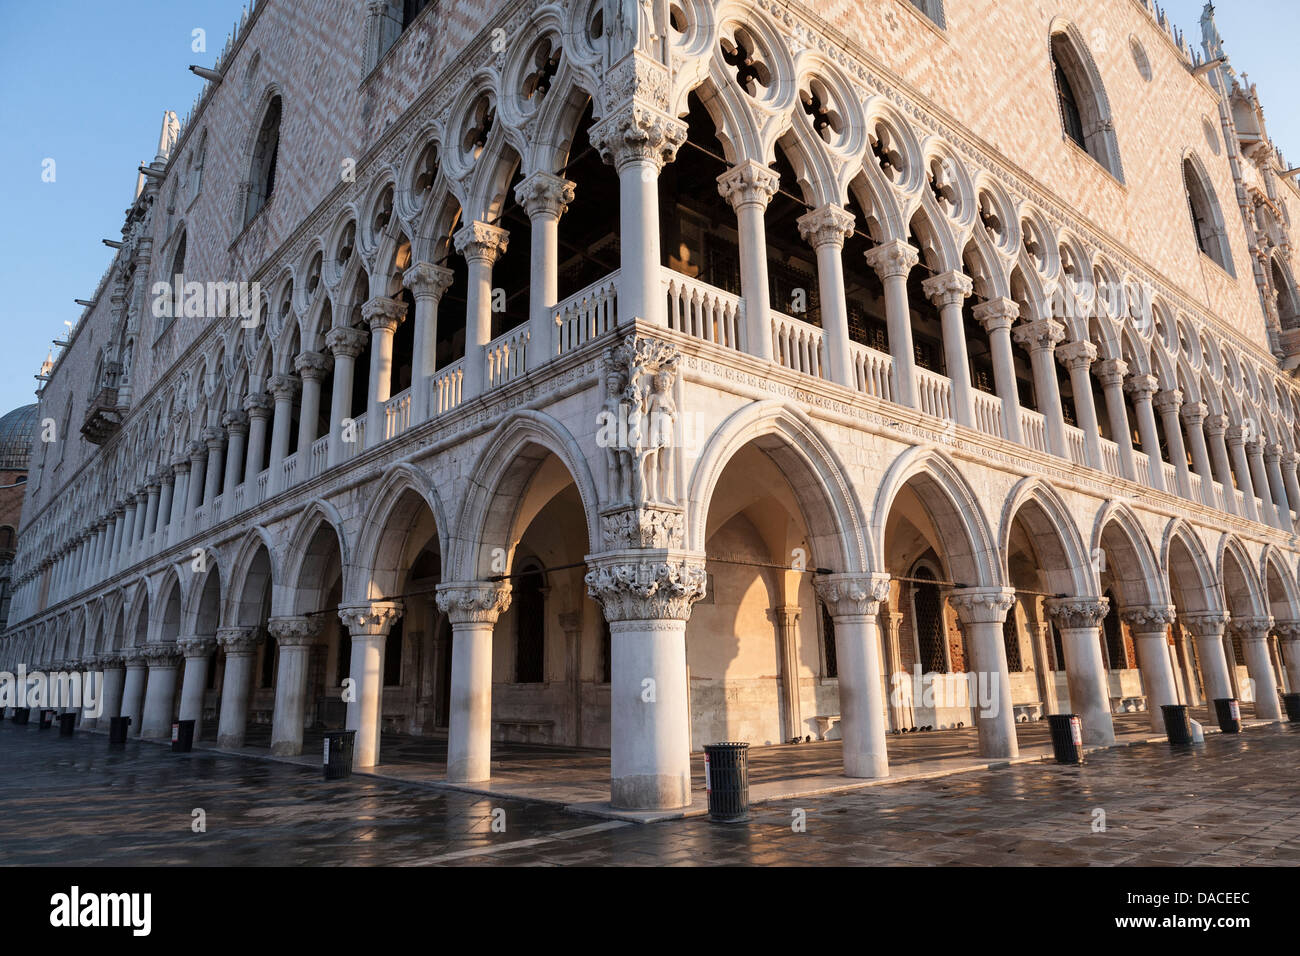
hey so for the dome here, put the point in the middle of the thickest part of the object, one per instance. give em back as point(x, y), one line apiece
point(17, 432)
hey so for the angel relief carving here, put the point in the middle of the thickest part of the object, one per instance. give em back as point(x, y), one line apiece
point(637, 422)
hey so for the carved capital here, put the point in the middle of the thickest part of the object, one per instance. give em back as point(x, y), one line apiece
point(481, 241)
point(1111, 372)
point(948, 288)
point(1141, 386)
point(1206, 623)
point(1148, 619)
point(1252, 628)
point(828, 224)
point(996, 314)
point(893, 259)
point(196, 645)
point(982, 605)
point(1077, 612)
point(646, 585)
point(295, 631)
point(1288, 631)
point(424, 279)
point(1194, 413)
point(751, 184)
point(1077, 355)
point(235, 422)
point(238, 641)
point(852, 595)
point(372, 619)
point(259, 405)
point(1040, 335)
point(474, 602)
point(214, 438)
point(1169, 401)
point(284, 387)
point(640, 134)
point(162, 655)
point(344, 341)
point(383, 314)
point(313, 366)
point(1272, 453)
point(545, 194)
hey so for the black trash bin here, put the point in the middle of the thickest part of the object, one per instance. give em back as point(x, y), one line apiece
point(1229, 713)
point(726, 778)
point(1292, 704)
point(66, 723)
point(22, 715)
point(1178, 724)
point(338, 754)
point(1067, 737)
point(182, 736)
point(47, 719)
point(117, 731)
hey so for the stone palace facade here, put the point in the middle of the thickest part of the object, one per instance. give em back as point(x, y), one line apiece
point(636, 374)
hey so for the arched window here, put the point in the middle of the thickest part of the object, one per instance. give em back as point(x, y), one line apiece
point(933, 9)
point(828, 642)
point(393, 655)
point(1011, 639)
point(198, 157)
point(927, 607)
point(530, 627)
point(1288, 306)
point(1116, 653)
point(1207, 219)
point(175, 277)
point(1085, 111)
point(262, 176)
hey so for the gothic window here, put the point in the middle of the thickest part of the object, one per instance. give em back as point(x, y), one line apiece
point(1115, 652)
point(198, 157)
point(927, 622)
point(393, 655)
point(269, 650)
point(1207, 220)
point(932, 9)
point(828, 642)
point(265, 154)
point(530, 627)
point(412, 9)
point(1288, 307)
point(1085, 111)
point(1011, 638)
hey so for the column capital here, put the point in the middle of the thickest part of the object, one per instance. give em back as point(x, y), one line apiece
point(1169, 400)
point(141, 495)
point(238, 641)
point(1252, 628)
point(1141, 386)
point(180, 465)
point(283, 387)
point(544, 194)
point(152, 485)
point(1041, 335)
point(999, 313)
point(948, 288)
point(1206, 623)
point(1194, 413)
point(1287, 630)
point(852, 595)
point(1111, 372)
point(426, 279)
point(1238, 435)
point(162, 655)
point(198, 452)
point(481, 241)
point(750, 183)
point(344, 341)
point(893, 259)
point(1077, 612)
point(296, 631)
point(637, 133)
point(1272, 453)
point(474, 602)
point(1148, 618)
point(646, 584)
point(196, 645)
point(1216, 425)
point(381, 312)
point(828, 224)
point(982, 605)
point(132, 657)
point(371, 619)
point(313, 366)
point(259, 405)
point(1079, 354)
point(111, 660)
point(235, 422)
point(213, 438)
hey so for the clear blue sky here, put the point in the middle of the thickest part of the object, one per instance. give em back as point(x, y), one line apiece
point(86, 83)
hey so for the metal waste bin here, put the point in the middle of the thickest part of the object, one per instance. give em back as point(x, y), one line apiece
point(66, 723)
point(338, 754)
point(47, 719)
point(1178, 723)
point(22, 715)
point(726, 778)
point(1067, 737)
point(1229, 713)
point(182, 736)
point(117, 731)
point(1292, 702)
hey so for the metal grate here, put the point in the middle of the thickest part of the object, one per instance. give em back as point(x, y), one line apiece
point(929, 623)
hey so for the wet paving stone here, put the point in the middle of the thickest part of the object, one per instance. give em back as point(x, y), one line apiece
point(1233, 801)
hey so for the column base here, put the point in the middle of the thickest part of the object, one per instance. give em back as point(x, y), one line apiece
point(650, 792)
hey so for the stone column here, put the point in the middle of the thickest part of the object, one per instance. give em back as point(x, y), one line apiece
point(1207, 628)
point(997, 317)
point(1111, 374)
point(545, 197)
point(1216, 427)
point(1170, 403)
point(346, 344)
point(236, 425)
point(427, 283)
point(197, 650)
point(113, 686)
point(282, 389)
point(1254, 633)
point(1079, 621)
point(215, 439)
point(647, 596)
point(1150, 629)
point(198, 464)
point(1236, 440)
point(115, 549)
point(786, 619)
point(749, 187)
point(1040, 339)
point(1142, 387)
point(638, 139)
point(893, 261)
point(1289, 634)
point(369, 625)
point(1078, 357)
point(571, 624)
point(240, 645)
point(180, 494)
point(161, 694)
point(982, 612)
point(948, 292)
point(383, 315)
point(1280, 498)
point(1040, 634)
point(137, 670)
point(129, 509)
point(295, 636)
point(472, 609)
point(853, 601)
point(1259, 480)
point(166, 498)
point(152, 491)
point(1194, 418)
point(258, 406)
point(482, 245)
point(1288, 469)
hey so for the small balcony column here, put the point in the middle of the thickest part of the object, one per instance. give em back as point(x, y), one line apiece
point(749, 187)
point(258, 406)
point(312, 367)
point(482, 245)
point(825, 229)
point(152, 491)
point(236, 426)
point(1281, 499)
point(1142, 387)
point(129, 509)
point(384, 315)
point(346, 344)
point(948, 292)
point(198, 472)
point(1216, 426)
point(180, 494)
point(545, 197)
point(1169, 403)
point(214, 437)
point(1111, 372)
point(1288, 465)
point(1236, 438)
point(428, 283)
point(893, 261)
point(282, 389)
point(1259, 478)
point(115, 545)
point(997, 317)
point(1040, 339)
point(1078, 357)
point(1194, 418)
point(166, 495)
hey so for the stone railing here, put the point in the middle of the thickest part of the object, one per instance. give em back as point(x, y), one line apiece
point(1076, 444)
point(1033, 428)
point(988, 413)
point(797, 345)
point(397, 414)
point(507, 356)
point(445, 388)
point(872, 371)
point(700, 310)
point(585, 315)
point(934, 394)
point(320, 454)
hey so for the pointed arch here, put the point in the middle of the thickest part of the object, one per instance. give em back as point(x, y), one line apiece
point(1057, 542)
point(1183, 555)
point(374, 566)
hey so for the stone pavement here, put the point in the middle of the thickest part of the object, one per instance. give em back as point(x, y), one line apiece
point(73, 802)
